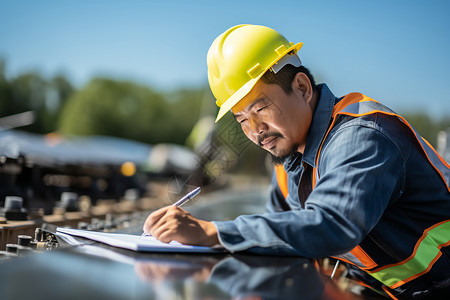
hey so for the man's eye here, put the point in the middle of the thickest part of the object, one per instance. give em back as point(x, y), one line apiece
point(261, 108)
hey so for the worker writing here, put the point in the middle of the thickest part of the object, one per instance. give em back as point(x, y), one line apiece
point(352, 180)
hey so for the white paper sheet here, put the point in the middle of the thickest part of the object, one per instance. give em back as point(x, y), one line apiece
point(137, 242)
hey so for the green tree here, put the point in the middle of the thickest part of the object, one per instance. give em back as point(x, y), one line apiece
point(57, 92)
point(31, 92)
point(27, 92)
point(5, 91)
point(129, 110)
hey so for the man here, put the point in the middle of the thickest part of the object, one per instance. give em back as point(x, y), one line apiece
point(353, 180)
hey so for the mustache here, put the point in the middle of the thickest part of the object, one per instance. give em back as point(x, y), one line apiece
point(267, 135)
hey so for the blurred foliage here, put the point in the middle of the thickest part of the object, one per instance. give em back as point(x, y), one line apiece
point(427, 126)
point(129, 110)
point(114, 108)
point(134, 111)
point(31, 92)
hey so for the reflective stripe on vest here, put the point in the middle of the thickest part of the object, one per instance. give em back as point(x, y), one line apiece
point(427, 249)
point(426, 252)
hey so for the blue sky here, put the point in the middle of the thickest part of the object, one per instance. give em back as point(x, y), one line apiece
point(394, 51)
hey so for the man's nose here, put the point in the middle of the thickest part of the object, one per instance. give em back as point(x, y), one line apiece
point(257, 126)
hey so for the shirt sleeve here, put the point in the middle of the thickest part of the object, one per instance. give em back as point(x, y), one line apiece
point(360, 168)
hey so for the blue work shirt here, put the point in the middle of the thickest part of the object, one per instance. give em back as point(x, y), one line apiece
point(375, 188)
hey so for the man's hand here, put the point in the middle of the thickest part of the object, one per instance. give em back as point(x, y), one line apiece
point(172, 223)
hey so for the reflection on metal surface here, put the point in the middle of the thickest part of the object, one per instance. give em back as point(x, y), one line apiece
point(236, 277)
point(84, 269)
point(268, 278)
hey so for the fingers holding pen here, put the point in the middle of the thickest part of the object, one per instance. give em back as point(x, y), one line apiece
point(173, 223)
point(153, 219)
point(165, 224)
point(164, 221)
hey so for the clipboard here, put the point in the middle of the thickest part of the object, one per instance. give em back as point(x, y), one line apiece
point(137, 242)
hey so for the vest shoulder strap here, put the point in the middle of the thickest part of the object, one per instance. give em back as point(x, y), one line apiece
point(357, 105)
point(281, 176)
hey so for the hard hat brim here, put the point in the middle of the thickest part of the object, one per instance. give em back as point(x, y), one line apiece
point(246, 88)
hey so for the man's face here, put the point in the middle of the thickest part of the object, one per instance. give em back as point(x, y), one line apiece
point(275, 121)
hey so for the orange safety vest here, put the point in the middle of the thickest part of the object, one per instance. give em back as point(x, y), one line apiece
point(427, 249)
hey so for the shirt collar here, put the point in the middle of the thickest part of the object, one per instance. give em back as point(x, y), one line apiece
point(318, 128)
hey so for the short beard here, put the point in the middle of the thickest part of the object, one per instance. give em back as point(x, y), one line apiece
point(279, 160)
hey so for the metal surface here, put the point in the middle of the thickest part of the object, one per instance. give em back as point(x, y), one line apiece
point(96, 271)
point(80, 273)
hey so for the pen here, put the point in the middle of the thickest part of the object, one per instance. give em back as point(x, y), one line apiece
point(187, 197)
point(183, 200)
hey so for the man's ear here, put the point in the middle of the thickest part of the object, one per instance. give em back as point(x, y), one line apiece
point(301, 84)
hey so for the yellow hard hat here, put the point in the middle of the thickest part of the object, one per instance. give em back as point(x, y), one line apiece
point(240, 56)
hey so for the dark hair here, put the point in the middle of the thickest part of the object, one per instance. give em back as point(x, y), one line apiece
point(285, 76)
